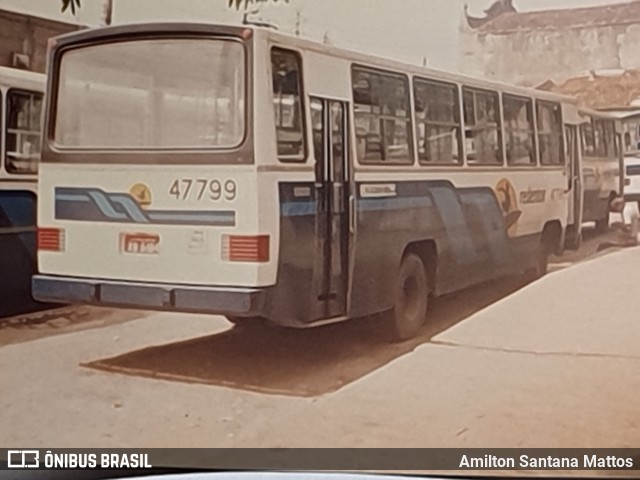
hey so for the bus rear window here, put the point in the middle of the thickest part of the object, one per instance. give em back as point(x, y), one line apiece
point(146, 94)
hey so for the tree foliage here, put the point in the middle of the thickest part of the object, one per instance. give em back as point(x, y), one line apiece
point(74, 5)
point(245, 4)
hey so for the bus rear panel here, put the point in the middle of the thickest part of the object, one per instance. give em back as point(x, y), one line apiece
point(150, 174)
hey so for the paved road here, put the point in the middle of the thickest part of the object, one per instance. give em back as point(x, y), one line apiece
point(553, 364)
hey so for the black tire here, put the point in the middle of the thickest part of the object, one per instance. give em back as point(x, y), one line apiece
point(574, 240)
point(602, 225)
point(412, 298)
point(540, 265)
point(577, 241)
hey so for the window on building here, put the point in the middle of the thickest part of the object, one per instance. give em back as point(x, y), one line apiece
point(23, 131)
point(438, 123)
point(518, 130)
point(287, 103)
point(382, 117)
point(482, 127)
point(550, 133)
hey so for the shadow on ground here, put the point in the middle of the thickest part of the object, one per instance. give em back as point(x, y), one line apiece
point(313, 362)
point(304, 363)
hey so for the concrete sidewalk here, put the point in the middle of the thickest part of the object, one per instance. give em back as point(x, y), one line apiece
point(556, 364)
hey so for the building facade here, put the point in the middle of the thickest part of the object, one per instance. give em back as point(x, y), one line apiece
point(23, 39)
point(530, 48)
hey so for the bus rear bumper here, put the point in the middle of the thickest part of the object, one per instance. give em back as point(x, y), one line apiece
point(243, 302)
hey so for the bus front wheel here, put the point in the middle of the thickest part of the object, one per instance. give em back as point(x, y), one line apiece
point(602, 224)
point(412, 294)
point(540, 257)
point(574, 239)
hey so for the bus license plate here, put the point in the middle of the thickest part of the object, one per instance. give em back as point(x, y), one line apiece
point(139, 243)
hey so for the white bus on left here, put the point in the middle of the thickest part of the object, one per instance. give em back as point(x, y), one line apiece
point(243, 172)
point(21, 100)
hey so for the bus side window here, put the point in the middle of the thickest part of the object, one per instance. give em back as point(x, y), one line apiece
point(317, 124)
point(287, 103)
point(610, 131)
point(438, 117)
point(550, 133)
point(382, 117)
point(600, 138)
point(588, 141)
point(482, 127)
point(519, 130)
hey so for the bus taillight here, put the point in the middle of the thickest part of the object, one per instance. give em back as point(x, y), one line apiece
point(51, 239)
point(243, 248)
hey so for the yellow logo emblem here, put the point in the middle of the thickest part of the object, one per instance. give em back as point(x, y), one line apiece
point(141, 194)
point(508, 200)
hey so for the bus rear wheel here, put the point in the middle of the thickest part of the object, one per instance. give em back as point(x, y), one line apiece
point(412, 298)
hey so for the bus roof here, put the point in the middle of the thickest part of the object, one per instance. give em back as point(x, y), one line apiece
point(13, 77)
point(383, 62)
point(597, 113)
point(308, 45)
point(630, 113)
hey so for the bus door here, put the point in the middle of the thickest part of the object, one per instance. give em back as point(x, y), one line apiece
point(575, 179)
point(332, 189)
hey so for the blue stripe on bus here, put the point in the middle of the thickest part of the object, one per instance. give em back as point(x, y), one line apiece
point(303, 209)
point(298, 209)
point(227, 219)
point(95, 205)
point(394, 203)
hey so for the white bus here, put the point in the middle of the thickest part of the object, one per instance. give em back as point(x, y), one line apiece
point(243, 172)
point(602, 165)
point(21, 100)
point(596, 169)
